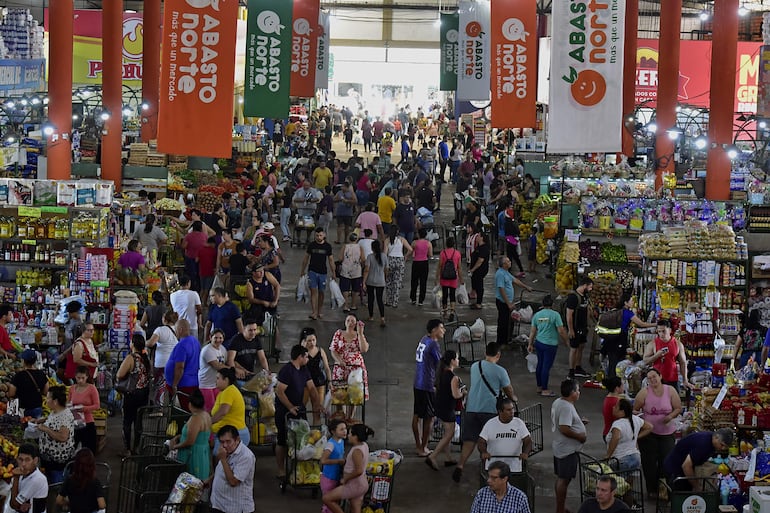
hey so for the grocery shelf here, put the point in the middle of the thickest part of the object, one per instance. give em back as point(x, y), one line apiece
point(39, 265)
point(22, 239)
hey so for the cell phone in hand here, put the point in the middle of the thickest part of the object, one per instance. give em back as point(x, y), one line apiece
point(665, 350)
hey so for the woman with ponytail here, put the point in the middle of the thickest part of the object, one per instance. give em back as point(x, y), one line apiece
point(149, 235)
point(624, 434)
point(450, 390)
point(135, 362)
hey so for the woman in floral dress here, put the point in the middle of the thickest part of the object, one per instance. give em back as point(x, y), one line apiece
point(347, 349)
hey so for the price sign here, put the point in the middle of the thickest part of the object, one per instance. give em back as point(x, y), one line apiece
point(29, 212)
point(54, 210)
point(29, 242)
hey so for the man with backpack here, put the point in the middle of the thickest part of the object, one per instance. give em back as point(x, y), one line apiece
point(612, 328)
point(576, 320)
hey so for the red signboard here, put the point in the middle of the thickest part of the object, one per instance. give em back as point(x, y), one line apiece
point(304, 47)
point(197, 74)
point(514, 63)
point(695, 74)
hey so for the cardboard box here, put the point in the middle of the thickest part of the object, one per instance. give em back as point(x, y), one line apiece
point(20, 191)
point(85, 193)
point(105, 190)
point(759, 499)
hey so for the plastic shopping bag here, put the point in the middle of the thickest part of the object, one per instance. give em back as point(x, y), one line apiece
point(303, 293)
point(338, 300)
point(531, 362)
point(478, 329)
point(462, 295)
point(436, 297)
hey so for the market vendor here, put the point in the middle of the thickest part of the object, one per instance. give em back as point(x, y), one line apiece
point(132, 259)
point(692, 451)
point(6, 348)
point(664, 353)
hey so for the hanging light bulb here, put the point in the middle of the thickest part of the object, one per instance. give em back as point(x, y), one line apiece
point(704, 15)
point(742, 11)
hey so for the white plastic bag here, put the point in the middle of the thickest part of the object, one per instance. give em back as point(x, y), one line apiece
point(437, 297)
point(456, 436)
point(478, 329)
point(461, 335)
point(338, 300)
point(531, 362)
point(462, 295)
point(301, 298)
point(525, 314)
point(356, 376)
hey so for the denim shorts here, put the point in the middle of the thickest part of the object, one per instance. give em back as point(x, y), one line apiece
point(316, 281)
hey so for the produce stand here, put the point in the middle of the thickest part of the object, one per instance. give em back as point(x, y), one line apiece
point(629, 490)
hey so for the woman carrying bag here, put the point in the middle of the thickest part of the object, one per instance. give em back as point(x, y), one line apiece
point(134, 383)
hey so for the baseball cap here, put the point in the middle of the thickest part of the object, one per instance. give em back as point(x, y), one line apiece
point(509, 213)
point(29, 355)
point(268, 226)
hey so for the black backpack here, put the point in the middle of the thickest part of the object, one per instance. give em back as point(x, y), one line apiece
point(449, 270)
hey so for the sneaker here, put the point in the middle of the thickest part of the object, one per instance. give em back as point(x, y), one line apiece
point(419, 304)
point(580, 372)
point(286, 239)
point(457, 475)
point(414, 301)
point(571, 374)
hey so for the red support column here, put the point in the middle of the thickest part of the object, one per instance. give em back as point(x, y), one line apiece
point(668, 86)
point(629, 74)
point(150, 68)
point(60, 88)
point(112, 89)
point(723, 61)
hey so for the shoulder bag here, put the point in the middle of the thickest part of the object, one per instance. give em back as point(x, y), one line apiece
point(498, 395)
point(128, 384)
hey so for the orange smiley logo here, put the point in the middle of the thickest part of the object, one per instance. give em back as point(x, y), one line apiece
point(589, 88)
point(473, 29)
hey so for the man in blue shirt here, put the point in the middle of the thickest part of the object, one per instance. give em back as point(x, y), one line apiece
point(223, 315)
point(488, 380)
point(443, 156)
point(504, 297)
point(499, 495)
point(692, 451)
point(427, 356)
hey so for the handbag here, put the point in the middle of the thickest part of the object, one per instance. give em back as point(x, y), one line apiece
point(128, 384)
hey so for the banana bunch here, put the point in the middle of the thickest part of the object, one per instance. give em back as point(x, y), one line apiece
point(541, 255)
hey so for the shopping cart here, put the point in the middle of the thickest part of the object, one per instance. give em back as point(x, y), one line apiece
point(629, 482)
point(380, 477)
point(159, 423)
point(470, 347)
point(154, 502)
point(676, 500)
point(302, 473)
point(345, 404)
point(262, 428)
point(141, 474)
point(521, 480)
point(533, 418)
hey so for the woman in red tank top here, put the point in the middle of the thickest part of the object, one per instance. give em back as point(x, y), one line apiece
point(83, 353)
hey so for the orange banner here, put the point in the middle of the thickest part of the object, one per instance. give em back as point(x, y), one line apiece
point(196, 75)
point(514, 63)
point(304, 46)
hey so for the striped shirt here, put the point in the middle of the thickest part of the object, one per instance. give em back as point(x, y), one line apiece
point(240, 498)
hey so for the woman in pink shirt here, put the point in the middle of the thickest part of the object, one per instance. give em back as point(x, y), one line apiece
point(85, 399)
point(423, 251)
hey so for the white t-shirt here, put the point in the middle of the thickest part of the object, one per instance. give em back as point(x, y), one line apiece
point(505, 440)
point(166, 342)
point(31, 487)
point(207, 375)
point(366, 245)
point(628, 438)
point(184, 302)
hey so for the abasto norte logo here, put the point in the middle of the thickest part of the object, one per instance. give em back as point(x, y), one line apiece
point(474, 51)
point(133, 33)
point(588, 41)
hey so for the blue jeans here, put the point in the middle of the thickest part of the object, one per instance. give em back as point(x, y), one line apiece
point(546, 354)
point(316, 281)
point(630, 462)
point(409, 236)
point(285, 217)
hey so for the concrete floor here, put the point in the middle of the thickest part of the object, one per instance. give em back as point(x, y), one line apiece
point(390, 363)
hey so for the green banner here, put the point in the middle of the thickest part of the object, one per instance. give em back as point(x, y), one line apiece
point(450, 24)
point(268, 58)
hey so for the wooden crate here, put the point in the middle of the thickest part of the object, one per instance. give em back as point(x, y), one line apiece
point(101, 426)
